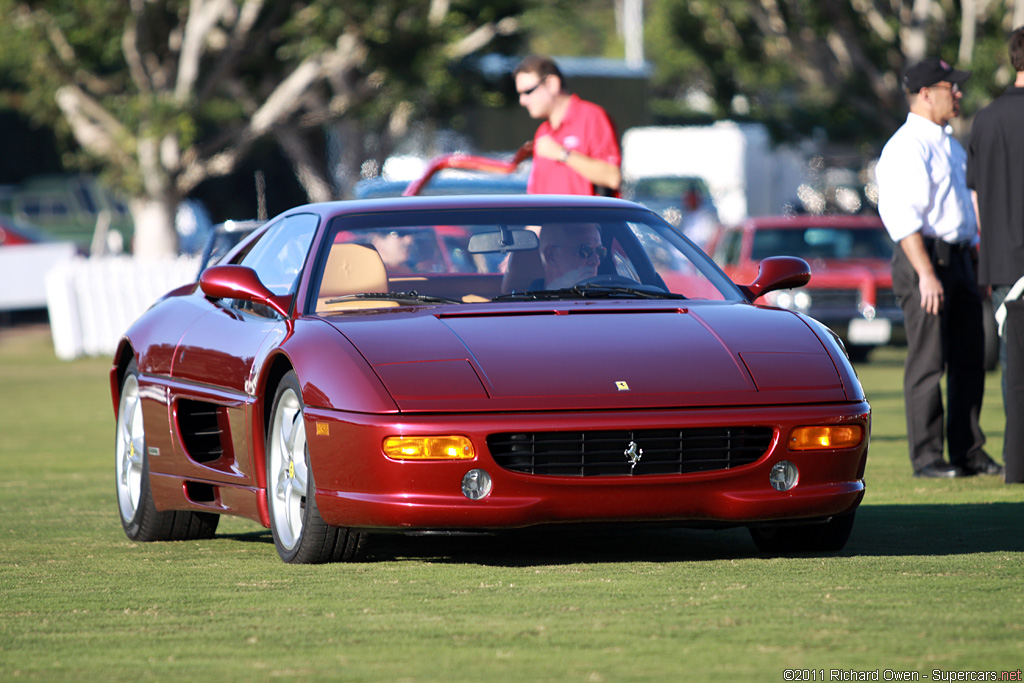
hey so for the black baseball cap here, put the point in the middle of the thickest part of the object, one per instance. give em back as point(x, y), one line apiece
point(929, 72)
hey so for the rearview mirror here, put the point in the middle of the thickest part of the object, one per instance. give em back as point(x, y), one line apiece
point(504, 240)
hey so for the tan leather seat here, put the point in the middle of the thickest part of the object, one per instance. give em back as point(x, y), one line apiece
point(352, 269)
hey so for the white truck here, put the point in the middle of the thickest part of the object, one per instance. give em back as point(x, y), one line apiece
point(745, 173)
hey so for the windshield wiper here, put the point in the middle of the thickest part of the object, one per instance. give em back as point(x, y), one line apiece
point(413, 296)
point(590, 291)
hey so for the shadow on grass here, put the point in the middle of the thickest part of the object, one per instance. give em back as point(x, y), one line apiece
point(937, 529)
point(570, 545)
point(880, 530)
point(564, 544)
point(262, 536)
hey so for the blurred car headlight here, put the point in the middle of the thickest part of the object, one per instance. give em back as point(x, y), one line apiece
point(792, 300)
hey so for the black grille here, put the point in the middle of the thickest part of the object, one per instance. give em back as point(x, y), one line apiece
point(834, 298)
point(886, 299)
point(606, 453)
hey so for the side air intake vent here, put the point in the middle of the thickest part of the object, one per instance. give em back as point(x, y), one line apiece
point(202, 430)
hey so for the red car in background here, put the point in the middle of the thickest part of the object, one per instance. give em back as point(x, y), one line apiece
point(13, 232)
point(850, 257)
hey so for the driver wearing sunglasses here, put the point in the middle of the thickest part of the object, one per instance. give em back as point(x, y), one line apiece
point(570, 254)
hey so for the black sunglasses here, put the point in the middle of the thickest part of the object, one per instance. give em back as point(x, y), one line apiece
point(529, 91)
point(585, 251)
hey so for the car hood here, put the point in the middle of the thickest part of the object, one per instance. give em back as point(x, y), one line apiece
point(595, 356)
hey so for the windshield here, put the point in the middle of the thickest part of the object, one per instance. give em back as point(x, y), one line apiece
point(476, 256)
point(669, 188)
point(822, 243)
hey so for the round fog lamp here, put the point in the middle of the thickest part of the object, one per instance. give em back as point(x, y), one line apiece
point(476, 484)
point(783, 476)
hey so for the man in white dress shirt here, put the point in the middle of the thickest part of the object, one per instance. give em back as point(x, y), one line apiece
point(927, 208)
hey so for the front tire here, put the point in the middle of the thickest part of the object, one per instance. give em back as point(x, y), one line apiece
point(804, 538)
point(139, 517)
point(300, 533)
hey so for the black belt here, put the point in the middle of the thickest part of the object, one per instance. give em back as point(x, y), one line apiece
point(942, 251)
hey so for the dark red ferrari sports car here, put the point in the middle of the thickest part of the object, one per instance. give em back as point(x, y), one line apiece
point(331, 381)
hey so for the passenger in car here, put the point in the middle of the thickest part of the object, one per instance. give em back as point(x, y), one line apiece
point(395, 249)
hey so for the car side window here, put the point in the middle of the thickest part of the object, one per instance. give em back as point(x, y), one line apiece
point(280, 253)
point(623, 266)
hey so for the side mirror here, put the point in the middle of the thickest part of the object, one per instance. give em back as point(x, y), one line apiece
point(238, 282)
point(778, 272)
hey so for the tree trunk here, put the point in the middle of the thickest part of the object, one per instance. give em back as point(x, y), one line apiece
point(155, 237)
point(968, 30)
point(349, 149)
point(912, 34)
point(307, 168)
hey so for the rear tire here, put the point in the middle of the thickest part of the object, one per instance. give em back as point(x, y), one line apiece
point(804, 538)
point(300, 534)
point(139, 517)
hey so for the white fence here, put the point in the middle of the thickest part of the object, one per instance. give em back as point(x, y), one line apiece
point(92, 301)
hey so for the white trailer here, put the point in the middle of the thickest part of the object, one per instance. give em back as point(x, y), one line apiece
point(746, 174)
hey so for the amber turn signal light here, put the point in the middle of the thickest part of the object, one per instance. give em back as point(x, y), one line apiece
point(823, 437)
point(429, 448)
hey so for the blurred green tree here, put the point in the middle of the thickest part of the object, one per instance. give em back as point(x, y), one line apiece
point(164, 94)
point(835, 65)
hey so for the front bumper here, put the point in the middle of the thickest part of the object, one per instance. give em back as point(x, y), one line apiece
point(358, 487)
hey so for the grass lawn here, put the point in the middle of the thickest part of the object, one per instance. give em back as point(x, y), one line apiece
point(930, 582)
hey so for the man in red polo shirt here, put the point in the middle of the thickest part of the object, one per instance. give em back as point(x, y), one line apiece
point(576, 148)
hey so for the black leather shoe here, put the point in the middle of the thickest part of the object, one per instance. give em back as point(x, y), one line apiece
point(981, 463)
point(940, 470)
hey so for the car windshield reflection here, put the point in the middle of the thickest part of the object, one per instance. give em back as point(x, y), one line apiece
point(823, 243)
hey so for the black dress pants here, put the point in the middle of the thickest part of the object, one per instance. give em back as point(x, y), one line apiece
point(952, 342)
